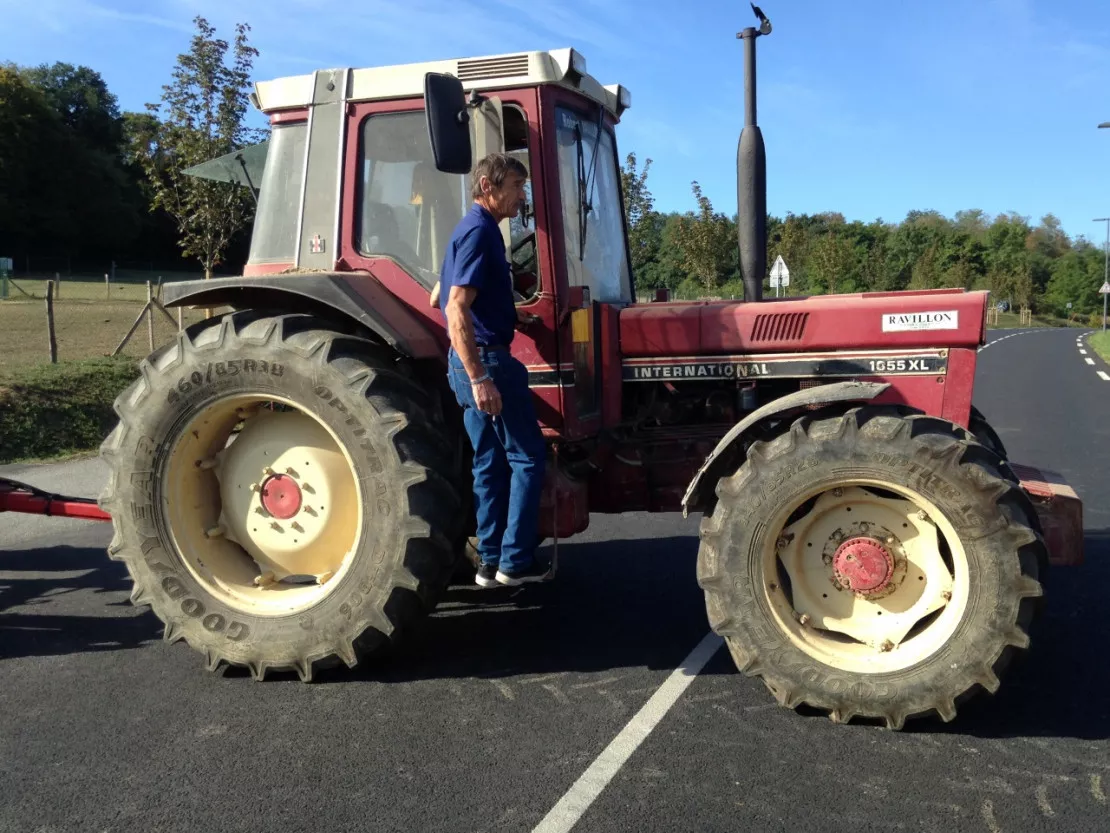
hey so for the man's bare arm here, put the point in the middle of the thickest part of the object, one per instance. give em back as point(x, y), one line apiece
point(460, 328)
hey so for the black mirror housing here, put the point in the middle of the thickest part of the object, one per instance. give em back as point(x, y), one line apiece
point(448, 122)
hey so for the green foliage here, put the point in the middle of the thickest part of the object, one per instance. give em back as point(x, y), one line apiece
point(204, 106)
point(695, 253)
point(706, 242)
point(1100, 341)
point(46, 410)
point(63, 187)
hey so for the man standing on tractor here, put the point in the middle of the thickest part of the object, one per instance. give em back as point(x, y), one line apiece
point(490, 385)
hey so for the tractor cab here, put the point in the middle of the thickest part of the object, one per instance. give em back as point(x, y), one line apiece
point(367, 171)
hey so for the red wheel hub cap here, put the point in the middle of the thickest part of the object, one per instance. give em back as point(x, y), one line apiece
point(281, 496)
point(863, 565)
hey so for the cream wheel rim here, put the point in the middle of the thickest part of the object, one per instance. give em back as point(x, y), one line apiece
point(867, 577)
point(262, 504)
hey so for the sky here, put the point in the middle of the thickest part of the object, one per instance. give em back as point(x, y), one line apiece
point(871, 108)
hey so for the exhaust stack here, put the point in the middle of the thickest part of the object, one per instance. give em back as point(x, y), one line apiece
point(751, 175)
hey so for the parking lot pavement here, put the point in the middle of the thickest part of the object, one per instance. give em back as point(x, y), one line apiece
point(506, 699)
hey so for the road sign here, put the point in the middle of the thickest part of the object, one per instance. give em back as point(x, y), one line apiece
point(1105, 290)
point(780, 275)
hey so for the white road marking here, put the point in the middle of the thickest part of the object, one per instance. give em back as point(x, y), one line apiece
point(1083, 352)
point(988, 817)
point(1102, 375)
point(588, 787)
point(1089, 360)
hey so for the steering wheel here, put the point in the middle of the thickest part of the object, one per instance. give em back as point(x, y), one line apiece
point(519, 244)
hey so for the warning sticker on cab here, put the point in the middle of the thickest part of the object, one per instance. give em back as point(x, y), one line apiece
point(898, 322)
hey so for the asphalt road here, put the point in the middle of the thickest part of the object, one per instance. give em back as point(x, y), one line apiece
point(505, 698)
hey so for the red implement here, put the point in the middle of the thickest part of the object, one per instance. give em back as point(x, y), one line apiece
point(19, 497)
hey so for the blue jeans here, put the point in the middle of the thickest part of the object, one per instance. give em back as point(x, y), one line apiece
point(509, 460)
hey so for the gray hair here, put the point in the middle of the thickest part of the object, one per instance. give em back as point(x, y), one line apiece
point(496, 168)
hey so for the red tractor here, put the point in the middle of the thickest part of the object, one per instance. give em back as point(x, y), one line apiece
point(289, 481)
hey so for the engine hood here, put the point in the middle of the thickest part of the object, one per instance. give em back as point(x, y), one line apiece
point(874, 320)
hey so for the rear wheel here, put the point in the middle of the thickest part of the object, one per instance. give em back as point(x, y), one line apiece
point(281, 494)
point(872, 564)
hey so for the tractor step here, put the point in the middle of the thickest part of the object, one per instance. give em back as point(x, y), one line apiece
point(22, 497)
point(1059, 509)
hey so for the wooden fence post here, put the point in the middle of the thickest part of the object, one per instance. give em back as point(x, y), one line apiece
point(150, 316)
point(50, 322)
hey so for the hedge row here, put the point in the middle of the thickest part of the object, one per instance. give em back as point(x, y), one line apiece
point(49, 410)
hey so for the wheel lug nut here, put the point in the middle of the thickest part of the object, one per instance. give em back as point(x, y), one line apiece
point(803, 619)
point(838, 492)
point(276, 525)
point(297, 526)
point(887, 646)
point(947, 594)
point(215, 532)
point(268, 470)
point(255, 487)
point(922, 515)
point(207, 463)
point(292, 472)
point(264, 580)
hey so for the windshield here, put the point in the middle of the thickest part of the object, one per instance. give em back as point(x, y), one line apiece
point(590, 185)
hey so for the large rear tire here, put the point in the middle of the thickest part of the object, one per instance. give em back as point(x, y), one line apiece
point(283, 495)
point(872, 564)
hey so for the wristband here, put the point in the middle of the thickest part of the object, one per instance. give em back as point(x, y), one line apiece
point(480, 379)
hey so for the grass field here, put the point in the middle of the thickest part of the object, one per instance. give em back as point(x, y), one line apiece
point(1100, 343)
point(87, 324)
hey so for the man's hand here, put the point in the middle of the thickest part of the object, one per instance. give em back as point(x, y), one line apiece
point(487, 397)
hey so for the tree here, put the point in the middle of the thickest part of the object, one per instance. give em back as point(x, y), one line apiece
point(204, 109)
point(706, 241)
point(83, 102)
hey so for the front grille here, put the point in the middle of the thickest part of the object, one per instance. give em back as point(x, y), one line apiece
point(478, 70)
point(779, 326)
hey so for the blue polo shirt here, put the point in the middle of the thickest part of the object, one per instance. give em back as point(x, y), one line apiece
point(476, 257)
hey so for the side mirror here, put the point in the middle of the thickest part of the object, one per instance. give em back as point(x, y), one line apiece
point(448, 122)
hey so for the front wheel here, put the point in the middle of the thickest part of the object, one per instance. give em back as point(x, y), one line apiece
point(872, 564)
point(281, 493)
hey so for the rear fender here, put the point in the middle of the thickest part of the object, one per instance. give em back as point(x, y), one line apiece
point(710, 471)
point(359, 298)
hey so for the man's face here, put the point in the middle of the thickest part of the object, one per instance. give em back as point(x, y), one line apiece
point(506, 200)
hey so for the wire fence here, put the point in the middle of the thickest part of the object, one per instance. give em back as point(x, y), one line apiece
point(43, 322)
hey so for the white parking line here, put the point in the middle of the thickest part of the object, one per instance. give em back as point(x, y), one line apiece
point(1089, 360)
point(1102, 375)
point(588, 787)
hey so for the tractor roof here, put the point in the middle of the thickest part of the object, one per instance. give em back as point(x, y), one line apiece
point(564, 67)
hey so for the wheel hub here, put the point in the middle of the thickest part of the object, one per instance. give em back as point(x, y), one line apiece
point(863, 565)
point(281, 496)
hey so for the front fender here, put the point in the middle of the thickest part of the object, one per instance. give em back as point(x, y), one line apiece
point(358, 297)
point(819, 395)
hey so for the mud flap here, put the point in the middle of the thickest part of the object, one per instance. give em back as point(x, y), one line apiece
point(1060, 512)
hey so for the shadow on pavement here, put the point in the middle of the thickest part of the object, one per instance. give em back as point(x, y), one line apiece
point(613, 604)
point(35, 583)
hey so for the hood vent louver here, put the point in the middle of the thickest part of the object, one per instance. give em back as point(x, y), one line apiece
point(481, 70)
point(780, 326)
